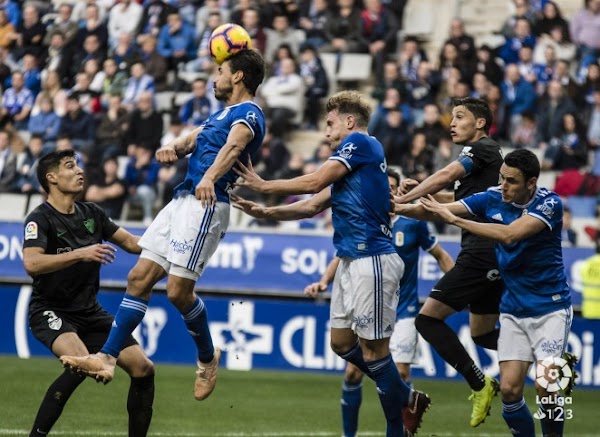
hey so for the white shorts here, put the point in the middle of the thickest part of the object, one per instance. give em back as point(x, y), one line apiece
point(184, 235)
point(364, 296)
point(403, 344)
point(533, 339)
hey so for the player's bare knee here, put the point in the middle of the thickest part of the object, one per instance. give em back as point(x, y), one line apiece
point(510, 391)
point(353, 374)
point(137, 283)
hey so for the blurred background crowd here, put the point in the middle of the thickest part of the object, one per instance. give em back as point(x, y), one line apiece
point(116, 79)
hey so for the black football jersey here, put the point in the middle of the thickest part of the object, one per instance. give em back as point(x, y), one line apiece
point(482, 161)
point(73, 288)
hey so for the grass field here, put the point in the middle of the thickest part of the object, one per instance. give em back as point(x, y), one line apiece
point(256, 403)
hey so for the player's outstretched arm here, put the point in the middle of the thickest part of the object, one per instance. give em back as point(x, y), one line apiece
point(327, 174)
point(37, 262)
point(178, 148)
point(442, 257)
point(434, 183)
point(126, 241)
point(294, 211)
point(315, 288)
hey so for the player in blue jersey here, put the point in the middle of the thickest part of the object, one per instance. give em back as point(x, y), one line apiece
point(408, 235)
point(525, 221)
point(353, 181)
point(185, 234)
point(474, 282)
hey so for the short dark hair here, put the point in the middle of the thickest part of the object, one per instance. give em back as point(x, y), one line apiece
point(524, 160)
point(394, 174)
point(350, 102)
point(479, 108)
point(252, 64)
point(49, 163)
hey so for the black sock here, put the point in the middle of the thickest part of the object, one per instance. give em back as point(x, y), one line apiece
point(446, 343)
point(139, 405)
point(54, 401)
point(489, 340)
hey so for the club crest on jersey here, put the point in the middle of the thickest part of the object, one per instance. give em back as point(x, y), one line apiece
point(547, 208)
point(399, 239)
point(467, 151)
point(31, 231)
point(90, 225)
point(251, 117)
point(346, 150)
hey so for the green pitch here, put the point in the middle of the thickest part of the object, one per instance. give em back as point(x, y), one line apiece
point(256, 403)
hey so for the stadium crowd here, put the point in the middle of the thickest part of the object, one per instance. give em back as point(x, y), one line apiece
point(90, 75)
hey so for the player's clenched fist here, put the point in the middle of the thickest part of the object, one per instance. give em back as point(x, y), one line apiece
point(102, 253)
point(166, 155)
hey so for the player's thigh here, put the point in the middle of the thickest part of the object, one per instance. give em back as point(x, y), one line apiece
point(157, 237)
point(549, 333)
point(512, 378)
point(374, 283)
point(133, 361)
point(69, 343)
point(482, 324)
point(403, 343)
point(56, 331)
point(342, 300)
point(514, 343)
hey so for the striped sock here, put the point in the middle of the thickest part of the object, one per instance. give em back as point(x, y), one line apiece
point(351, 400)
point(518, 418)
point(130, 314)
point(196, 321)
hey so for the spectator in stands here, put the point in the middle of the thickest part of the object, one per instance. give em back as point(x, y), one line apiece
point(523, 135)
point(145, 125)
point(592, 118)
point(93, 25)
point(79, 126)
point(423, 90)
point(141, 176)
point(58, 59)
point(545, 68)
point(314, 16)
point(107, 190)
point(449, 58)
point(64, 25)
point(562, 73)
point(46, 122)
point(125, 53)
point(272, 157)
point(13, 11)
point(88, 98)
point(551, 18)
point(445, 153)
point(316, 84)
point(432, 127)
point(92, 69)
point(154, 17)
point(282, 33)
point(518, 96)
point(124, 17)
point(392, 100)
point(591, 84)
point(92, 49)
point(585, 32)
point(238, 9)
point(156, 65)
point(498, 109)
point(204, 11)
point(53, 90)
point(391, 79)
point(393, 132)
point(175, 130)
point(568, 234)
point(17, 102)
point(176, 41)
point(30, 34)
point(284, 95)
point(198, 107)
point(410, 57)
point(417, 164)
point(80, 9)
point(343, 29)
point(481, 86)
point(523, 10)
point(486, 64)
point(569, 149)
point(525, 64)
point(6, 30)
point(203, 61)
point(551, 109)
point(112, 130)
point(322, 153)
point(251, 22)
point(509, 52)
point(27, 181)
point(138, 83)
point(32, 79)
point(8, 164)
point(110, 81)
point(463, 41)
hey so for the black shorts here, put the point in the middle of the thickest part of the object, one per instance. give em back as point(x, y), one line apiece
point(91, 327)
point(479, 289)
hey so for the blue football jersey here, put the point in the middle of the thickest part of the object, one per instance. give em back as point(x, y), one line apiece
point(213, 137)
point(407, 236)
point(532, 269)
point(360, 201)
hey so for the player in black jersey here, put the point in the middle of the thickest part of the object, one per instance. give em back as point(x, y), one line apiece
point(475, 280)
point(63, 250)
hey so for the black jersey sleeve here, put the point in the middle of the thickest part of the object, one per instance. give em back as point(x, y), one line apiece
point(36, 230)
point(107, 225)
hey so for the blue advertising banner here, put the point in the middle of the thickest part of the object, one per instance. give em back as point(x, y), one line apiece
point(259, 262)
point(271, 334)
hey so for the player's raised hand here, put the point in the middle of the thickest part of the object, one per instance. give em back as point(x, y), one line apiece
point(251, 208)
point(166, 155)
point(102, 253)
point(315, 288)
point(205, 193)
point(439, 209)
point(248, 176)
point(406, 185)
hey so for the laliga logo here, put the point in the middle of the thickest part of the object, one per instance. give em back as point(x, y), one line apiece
point(553, 374)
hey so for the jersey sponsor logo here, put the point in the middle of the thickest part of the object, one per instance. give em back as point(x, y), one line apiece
point(383, 166)
point(251, 117)
point(346, 150)
point(31, 231)
point(90, 225)
point(63, 250)
point(181, 246)
point(493, 275)
point(399, 239)
point(364, 320)
point(54, 322)
point(386, 231)
point(547, 208)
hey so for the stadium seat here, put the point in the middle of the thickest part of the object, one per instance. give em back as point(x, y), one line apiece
point(13, 206)
point(164, 101)
point(355, 67)
point(34, 200)
point(582, 206)
point(329, 61)
point(181, 98)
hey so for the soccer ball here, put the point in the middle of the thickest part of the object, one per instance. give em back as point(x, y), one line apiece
point(228, 39)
